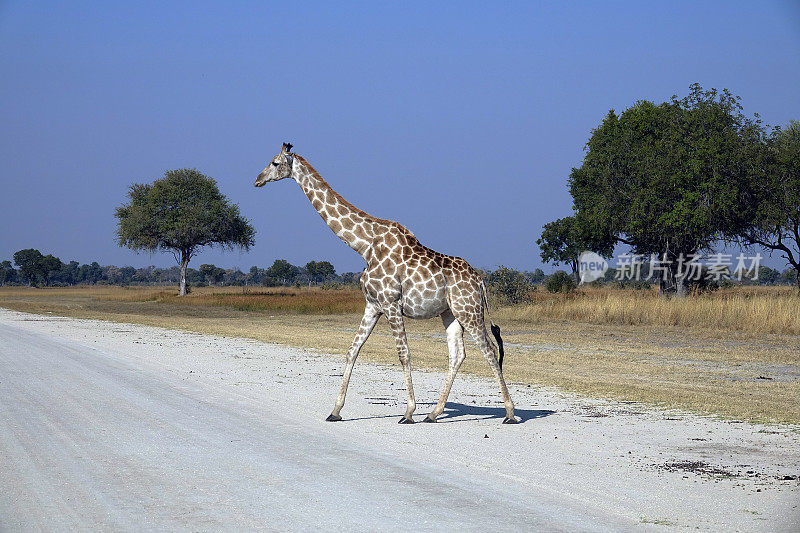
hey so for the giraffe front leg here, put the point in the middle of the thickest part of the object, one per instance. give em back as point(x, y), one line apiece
point(395, 317)
point(371, 315)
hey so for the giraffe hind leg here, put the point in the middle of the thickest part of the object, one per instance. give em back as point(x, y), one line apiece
point(455, 345)
point(487, 348)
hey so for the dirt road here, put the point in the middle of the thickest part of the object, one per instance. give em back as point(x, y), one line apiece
point(116, 426)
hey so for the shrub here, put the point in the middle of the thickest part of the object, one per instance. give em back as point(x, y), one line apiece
point(560, 282)
point(509, 284)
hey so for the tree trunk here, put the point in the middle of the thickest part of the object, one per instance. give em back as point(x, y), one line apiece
point(797, 278)
point(680, 286)
point(184, 264)
point(674, 284)
point(575, 272)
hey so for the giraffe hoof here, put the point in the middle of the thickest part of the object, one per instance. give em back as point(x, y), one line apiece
point(333, 418)
point(429, 420)
point(511, 420)
point(405, 420)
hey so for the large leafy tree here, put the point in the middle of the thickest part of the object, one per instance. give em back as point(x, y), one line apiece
point(181, 213)
point(670, 179)
point(774, 223)
point(564, 240)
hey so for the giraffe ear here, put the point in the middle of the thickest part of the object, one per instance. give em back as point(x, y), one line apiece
point(286, 148)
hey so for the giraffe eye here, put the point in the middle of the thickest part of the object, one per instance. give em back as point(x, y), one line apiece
point(274, 163)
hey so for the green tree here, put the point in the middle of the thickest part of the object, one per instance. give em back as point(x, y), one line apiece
point(212, 274)
point(563, 240)
point(320, 271)
point(254, 276)
point(775, 223)
point(281, 272)
point(70, 273)
point(7, 273)
point(90, 274)
point(537, 276)
point(560, 281)
point(29, 262)
point(35, 267)
point(768, 276)
point(50, 265)
point(509, 284)
point(181, 213)
point(670, 179)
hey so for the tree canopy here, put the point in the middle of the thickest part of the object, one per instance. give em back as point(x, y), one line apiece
point(774, 218)
point(670, 179)
point(181, 213)
point(35, 267)
point(320, 270)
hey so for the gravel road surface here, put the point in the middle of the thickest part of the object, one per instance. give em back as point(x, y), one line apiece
point(109, 426)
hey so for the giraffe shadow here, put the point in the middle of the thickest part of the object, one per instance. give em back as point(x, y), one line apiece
point(460, 412)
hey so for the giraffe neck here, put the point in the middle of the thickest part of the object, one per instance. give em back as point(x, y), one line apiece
point(355, 227)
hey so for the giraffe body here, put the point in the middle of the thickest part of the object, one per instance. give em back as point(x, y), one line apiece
point(402, 279)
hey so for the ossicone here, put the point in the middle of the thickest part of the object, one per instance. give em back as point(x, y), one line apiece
point(286, 147)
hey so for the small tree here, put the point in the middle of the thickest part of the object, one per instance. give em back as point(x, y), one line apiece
point(509, 284)
point(563, 240)
point(181, 213)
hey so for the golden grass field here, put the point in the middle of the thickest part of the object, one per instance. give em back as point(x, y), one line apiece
point(734, 353)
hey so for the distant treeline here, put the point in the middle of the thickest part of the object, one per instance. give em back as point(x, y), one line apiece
point(36, 269)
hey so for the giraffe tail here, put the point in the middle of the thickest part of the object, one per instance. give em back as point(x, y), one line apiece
point(495, 328)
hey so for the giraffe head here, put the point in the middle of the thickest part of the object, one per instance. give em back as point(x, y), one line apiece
point(279, 168)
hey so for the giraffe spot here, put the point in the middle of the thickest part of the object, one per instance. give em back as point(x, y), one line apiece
point(335, 226)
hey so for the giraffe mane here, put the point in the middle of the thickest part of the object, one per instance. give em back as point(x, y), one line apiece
point(340, 198)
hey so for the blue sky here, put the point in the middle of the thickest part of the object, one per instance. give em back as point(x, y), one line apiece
point(461, 120)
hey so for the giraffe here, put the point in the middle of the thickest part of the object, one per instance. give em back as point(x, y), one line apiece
point(402, 279)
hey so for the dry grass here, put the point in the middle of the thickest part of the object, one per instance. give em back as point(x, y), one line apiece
point(757, 310)
point(310, 300)
point(739, 372)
